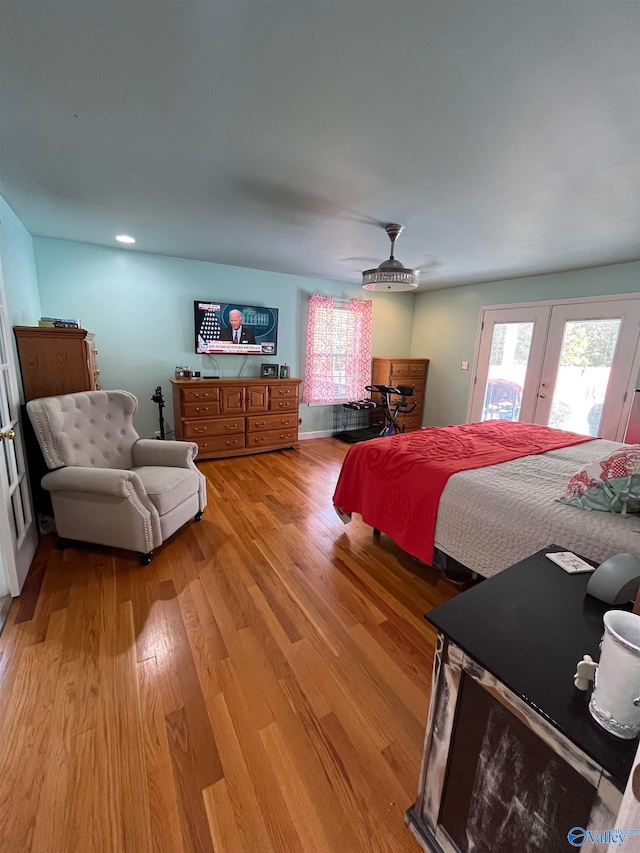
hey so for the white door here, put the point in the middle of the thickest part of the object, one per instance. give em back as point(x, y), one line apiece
point(589, 366)
point(569, 365)
point(18, 535)
point(508, 362)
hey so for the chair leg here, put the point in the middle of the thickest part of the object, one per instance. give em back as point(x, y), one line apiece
point(145, 559)
point(198, 515)
point(62, 543)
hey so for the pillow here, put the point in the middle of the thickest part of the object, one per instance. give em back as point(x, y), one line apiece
point(611, 484)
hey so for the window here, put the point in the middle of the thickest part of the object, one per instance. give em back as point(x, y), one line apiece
point(338, 350)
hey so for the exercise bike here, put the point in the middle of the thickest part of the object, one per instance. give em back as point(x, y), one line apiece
point(392, 408)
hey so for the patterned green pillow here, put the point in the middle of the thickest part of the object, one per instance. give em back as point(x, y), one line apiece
point(611, 484)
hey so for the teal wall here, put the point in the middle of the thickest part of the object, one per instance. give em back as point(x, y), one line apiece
point(446, 323)
point(140, 307)
point(18, 271)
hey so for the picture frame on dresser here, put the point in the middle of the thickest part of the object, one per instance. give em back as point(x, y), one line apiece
point(270, 370)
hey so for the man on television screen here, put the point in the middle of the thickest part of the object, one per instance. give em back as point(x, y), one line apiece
point(237, 333)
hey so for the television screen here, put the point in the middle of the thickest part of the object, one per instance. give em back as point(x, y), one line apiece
point(226, 327)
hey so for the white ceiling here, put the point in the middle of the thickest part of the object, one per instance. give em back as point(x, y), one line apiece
point(278, 134)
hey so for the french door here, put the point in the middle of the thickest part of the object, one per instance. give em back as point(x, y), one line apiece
point(18, 534)
point(569, 365)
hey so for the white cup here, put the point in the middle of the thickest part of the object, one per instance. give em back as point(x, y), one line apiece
point(615, 702)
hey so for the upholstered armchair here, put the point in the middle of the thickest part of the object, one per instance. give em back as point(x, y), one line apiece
point(108, 486)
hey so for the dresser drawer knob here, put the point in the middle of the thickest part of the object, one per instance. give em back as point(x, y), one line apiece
point(260, 440)
point(231, 426)
point(232, 442)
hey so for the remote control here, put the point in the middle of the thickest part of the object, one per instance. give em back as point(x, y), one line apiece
point(570, 562)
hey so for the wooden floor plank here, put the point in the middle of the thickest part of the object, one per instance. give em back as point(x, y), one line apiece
point(276, 816)
point(166, 835)
point(301, 807)
point(239, 791)
point(25, 748)
point(260, 687)
point(225, 831)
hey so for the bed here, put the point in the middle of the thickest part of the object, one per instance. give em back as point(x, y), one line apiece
point(492, 504)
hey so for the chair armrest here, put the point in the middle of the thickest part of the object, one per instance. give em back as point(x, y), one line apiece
point(98, 481)
point(169, 454)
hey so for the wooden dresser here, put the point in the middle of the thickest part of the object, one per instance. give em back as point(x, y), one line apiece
point(235, 417)
point(56, 361)
point(403, 371)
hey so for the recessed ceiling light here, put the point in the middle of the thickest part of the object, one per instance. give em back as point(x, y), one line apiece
point(124, 238)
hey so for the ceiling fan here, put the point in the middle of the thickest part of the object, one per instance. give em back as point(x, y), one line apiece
point(391, 275)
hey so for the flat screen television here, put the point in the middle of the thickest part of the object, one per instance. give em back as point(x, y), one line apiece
point(228, 327)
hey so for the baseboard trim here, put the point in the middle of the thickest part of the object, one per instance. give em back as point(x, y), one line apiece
point(321, 433)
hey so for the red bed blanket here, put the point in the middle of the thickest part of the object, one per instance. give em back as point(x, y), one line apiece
point(395, 483)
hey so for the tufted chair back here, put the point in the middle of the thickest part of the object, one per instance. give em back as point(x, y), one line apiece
point(90, 429)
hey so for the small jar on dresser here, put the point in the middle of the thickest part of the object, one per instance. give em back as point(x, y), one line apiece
point(403, 371)
point(236, 417)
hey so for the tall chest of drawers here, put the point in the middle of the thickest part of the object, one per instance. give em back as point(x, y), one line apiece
point(235, 417)
point(403, 371)
point(56, 361)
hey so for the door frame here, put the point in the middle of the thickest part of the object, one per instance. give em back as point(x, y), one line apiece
point(15, 557)
point(634, 367)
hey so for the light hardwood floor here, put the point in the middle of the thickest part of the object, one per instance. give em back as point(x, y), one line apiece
point(261, 686)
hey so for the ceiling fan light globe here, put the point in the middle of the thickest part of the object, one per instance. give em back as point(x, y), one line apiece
point(392, 278)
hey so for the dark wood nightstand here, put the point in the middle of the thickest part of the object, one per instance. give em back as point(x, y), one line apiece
point(512, 758)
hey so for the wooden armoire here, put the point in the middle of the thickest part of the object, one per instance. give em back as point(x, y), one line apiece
point(52, 361)
point(56, 361)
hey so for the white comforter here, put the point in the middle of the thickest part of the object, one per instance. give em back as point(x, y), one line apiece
point(492, 517)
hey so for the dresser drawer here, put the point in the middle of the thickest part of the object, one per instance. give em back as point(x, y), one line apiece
point(220, 443)
point(283, 405)
point(406, 370)
point(272, 438)
point(417, 369)
point(259, 423)
point(280, 391)
point(199, 395)
point(205, 428)
point(408, 378)
point(200, 410)
point(412, 421)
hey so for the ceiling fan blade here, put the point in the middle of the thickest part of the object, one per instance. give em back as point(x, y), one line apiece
point(431, 265)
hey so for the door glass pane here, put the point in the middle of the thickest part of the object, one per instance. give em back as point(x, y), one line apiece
point(5, 413)
point(18, 516)
point(587, 351)
point(9, 450)
point(4, 355)
point(510, 348)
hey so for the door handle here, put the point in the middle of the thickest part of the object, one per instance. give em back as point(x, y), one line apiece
point(9, 434)
point(542, 396)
